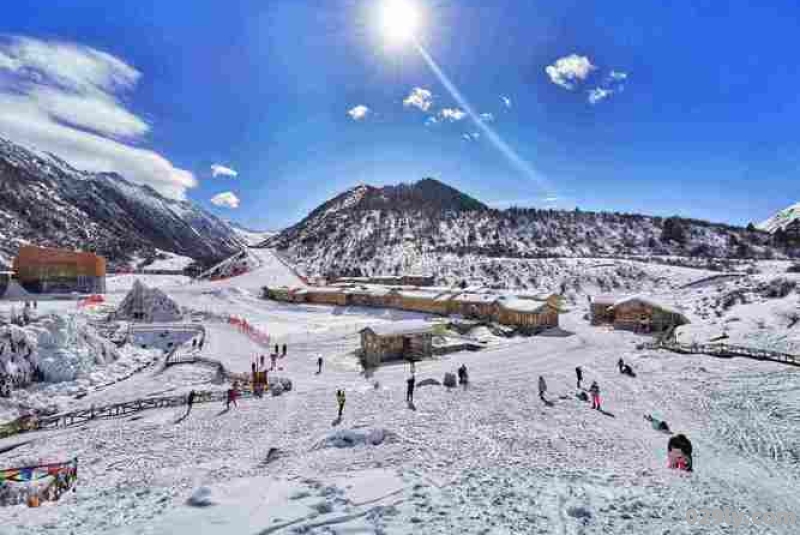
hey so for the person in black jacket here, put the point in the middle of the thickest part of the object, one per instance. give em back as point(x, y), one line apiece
point(579, 375)
point(411, 383)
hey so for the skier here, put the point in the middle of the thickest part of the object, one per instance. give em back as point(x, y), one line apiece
point(679, 452)
point(194, 343)
point(579, 375)
point(190, 402)
point(620, 364)
point(411, 382)
point(340, 399)
point(276, 349)
point(319, 364)
point(595, 391)
point(542, 387)
point(284, 350)
point(202, 342)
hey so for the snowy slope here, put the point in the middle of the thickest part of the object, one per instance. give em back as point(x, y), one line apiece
point(43, 200)
point(251, 237)
point(782, 219)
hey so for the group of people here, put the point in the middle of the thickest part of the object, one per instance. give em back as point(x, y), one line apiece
point(198, 344)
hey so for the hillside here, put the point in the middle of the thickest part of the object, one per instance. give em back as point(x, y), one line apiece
point(422, 226)
point(44, 201)
point(782, 219)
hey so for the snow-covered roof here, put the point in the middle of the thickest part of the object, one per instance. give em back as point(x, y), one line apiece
point(476, 298)
point(401, 327)
point(609, 300)
point(324, 290)
point(377, 291)
point(412, 294)
point(522, 305)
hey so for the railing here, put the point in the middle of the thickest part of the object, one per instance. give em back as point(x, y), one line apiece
point(727, 350)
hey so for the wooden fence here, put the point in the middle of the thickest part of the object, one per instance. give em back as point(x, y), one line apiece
point(726, 351)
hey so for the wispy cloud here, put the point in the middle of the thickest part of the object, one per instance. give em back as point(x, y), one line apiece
point(613, 84)
point(569, 70)
point(599, 94)
point(221, 170)
point(226, 199)
point(506, 101)
point(359, 112)
point(419, 98)
point(432, 121)
point(472, 136)
point(452, 114)
point(618, 75)
point(487, 117)
point(67, 99)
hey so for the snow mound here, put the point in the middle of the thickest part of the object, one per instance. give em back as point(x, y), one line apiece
point(351, 438)
point(148, 304)
point(201, 497)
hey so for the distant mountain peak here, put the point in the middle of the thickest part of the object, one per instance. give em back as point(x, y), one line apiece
point(782, 219)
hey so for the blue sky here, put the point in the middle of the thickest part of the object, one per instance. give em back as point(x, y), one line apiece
point(699, 115)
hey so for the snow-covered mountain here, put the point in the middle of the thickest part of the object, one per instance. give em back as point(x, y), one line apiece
point(422, 226)
point(782, 219)
point(250, 236)
point(45, 201)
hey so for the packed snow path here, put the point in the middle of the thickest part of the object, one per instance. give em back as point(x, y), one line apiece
point(489, 459)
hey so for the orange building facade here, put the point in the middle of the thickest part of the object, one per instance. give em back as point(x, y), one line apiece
point(46, 270)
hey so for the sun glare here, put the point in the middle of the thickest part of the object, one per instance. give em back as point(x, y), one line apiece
point(400, 20)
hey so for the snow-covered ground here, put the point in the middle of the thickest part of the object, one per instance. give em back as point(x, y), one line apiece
point(488, 459)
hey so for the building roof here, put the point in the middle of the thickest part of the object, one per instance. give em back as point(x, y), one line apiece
point(522, 305)
point(412, 294)
point(476, 298)
point(400, 328)
point(648, 302)
point(376, 291)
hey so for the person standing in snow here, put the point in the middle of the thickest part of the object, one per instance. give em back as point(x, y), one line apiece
point(463, 376)
point(620, 364)
point(595, 391)
point(340, 399)
point(190, 402)
point(319, 365)
point(284, 350)
point(579, 375)
point(542, 387)
point(194, 343)
point(276, 349)
point(411, 383)
point(231, 398)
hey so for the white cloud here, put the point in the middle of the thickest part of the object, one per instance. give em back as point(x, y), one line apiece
point(419, 98)
point(506, 101)
point(598, 94)
point(452, 114)
point(473, 136)
point(66, 99)
point(432, 121)
point(359, 112)
point(226, 199)
point(487, 117)
point(569, 70)
point(618, 76)
point(221, 170)
point(551, 198)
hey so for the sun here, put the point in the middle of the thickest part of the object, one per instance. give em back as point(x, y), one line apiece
point(400, 20)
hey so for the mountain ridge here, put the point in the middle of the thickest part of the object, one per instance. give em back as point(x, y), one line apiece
point(361, 231)
point(45, 201)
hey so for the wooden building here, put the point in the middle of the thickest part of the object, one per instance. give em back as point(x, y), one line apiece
point(426, 302)
point(367, 297)
point(530, 315)
point(600, 309)
point(636, 313)
point(326, 296)
point(46, 270)
point(410, 340)
point(475, 306)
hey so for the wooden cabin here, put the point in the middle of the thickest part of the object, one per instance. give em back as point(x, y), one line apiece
point(282, 293)
point(326, 296)
point(529, 315)
point(600, 309)
point(367, 297)
point(422, 302)
point(640, 314)
point(475, 306)
point(410, 340)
